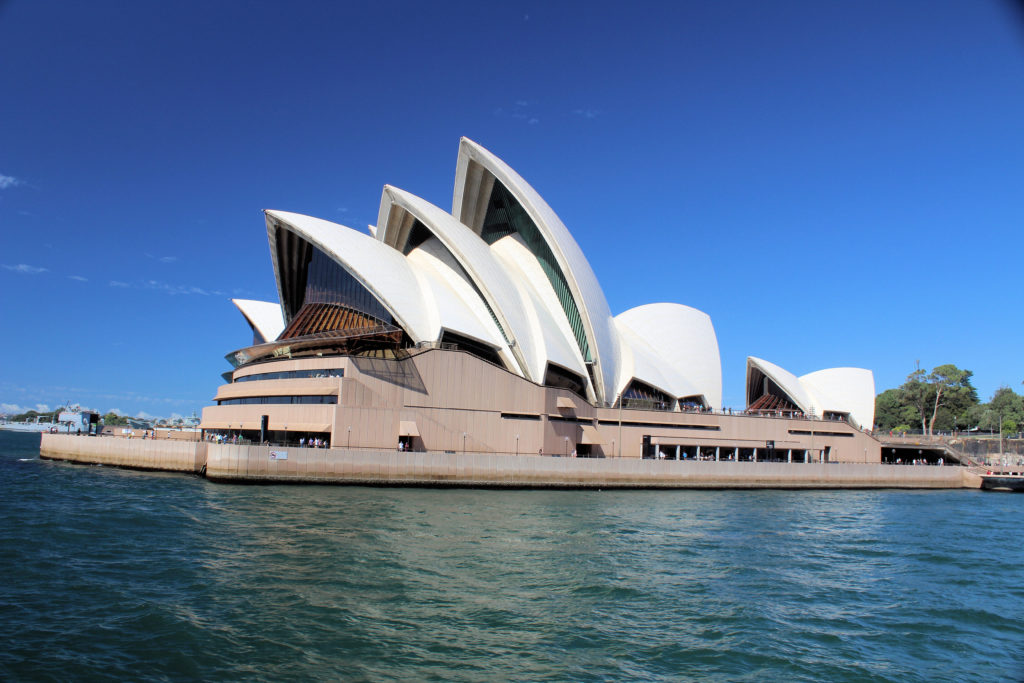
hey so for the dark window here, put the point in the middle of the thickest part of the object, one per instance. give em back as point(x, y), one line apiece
point(556, 376)
point(644, 396)
point(276, 400)
point(294, 374)
point(329, 283)
point(506, 216)
point(479, 349)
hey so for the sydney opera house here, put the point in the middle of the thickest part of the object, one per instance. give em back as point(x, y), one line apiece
point(484, 329)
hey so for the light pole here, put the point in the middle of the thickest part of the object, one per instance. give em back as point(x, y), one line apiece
point(567, 447)
point(463, 443)
point(348, 444)
point(517, 444)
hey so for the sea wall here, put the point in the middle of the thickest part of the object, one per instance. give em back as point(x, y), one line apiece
point(338, 466)
point(310, 465)
point(144, 454)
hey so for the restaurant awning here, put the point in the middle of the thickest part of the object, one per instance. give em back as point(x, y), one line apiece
point(408, 428)
point(565, 402)
point(591, 436)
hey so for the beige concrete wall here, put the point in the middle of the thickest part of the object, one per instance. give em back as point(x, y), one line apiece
point(254, 463)
point(366, 466)
point(147, 454)
point(449, 394)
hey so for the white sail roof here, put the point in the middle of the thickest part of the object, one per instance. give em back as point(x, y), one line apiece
point(684, 345)
point(264, 316)
point(384, 272)
point(467, 206)
point(473, 257)
point(837, 390)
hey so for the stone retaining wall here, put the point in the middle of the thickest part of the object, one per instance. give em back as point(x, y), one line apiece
point(143, 454)
point(338, 466)
point(310, 465)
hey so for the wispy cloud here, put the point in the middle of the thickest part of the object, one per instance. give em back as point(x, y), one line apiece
point(7, 181)
point(520, 110)
point(162, 259)
point(342, 209)
point(42, 407)
point(79, 278)
point(11, 408)
point(26, 269)
point(587, 113)
point(118, 283)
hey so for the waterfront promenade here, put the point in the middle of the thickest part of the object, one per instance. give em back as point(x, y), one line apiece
point(263, 464)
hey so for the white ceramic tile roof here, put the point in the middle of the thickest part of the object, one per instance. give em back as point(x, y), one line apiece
point(384, 272)
point(457, 306)
point(845, 390)
point(602, 337)
point(551, 336)
point(265, 316)
point(840, 390)
point(682, 339)
point(475, 258)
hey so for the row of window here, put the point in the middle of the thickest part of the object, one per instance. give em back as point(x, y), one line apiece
point(259, 400)
point(294, 374)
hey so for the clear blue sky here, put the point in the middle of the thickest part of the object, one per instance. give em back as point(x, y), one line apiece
point(835, 183)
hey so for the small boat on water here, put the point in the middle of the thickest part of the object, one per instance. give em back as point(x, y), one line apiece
point(70, 420)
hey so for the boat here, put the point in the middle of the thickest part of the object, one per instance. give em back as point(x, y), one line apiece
point(70, 420)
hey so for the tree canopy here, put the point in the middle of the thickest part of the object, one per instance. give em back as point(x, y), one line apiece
point(945, 399)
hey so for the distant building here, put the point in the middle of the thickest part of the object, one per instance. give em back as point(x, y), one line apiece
point(485, 329)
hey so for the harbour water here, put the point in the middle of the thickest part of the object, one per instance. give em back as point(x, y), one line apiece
point(112, 574)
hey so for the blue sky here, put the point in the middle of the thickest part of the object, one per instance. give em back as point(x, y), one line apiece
point(834, 183)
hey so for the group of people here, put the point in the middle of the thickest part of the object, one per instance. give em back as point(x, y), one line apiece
point(920, 461)
point(312, 442)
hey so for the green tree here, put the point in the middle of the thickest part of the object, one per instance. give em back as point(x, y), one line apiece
point(892, 411)
point(1007, 404)
point(114, 419)
point(947, 386)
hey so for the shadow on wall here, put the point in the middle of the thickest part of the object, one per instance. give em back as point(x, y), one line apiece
point(400, 372)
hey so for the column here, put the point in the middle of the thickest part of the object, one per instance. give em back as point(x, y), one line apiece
point(789, 455)
point(677, 451)
point(755, 455)
point(716, 453)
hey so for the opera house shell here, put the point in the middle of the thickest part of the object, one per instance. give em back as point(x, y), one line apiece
point(485, 329)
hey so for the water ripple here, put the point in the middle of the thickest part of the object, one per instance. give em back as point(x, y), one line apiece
point(114, 575)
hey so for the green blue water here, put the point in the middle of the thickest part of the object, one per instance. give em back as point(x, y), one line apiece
point(119, 575)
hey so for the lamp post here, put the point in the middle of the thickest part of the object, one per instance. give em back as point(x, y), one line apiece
point(348, 444)
point(517, 444)
point(463, 443)
point(567, 447)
